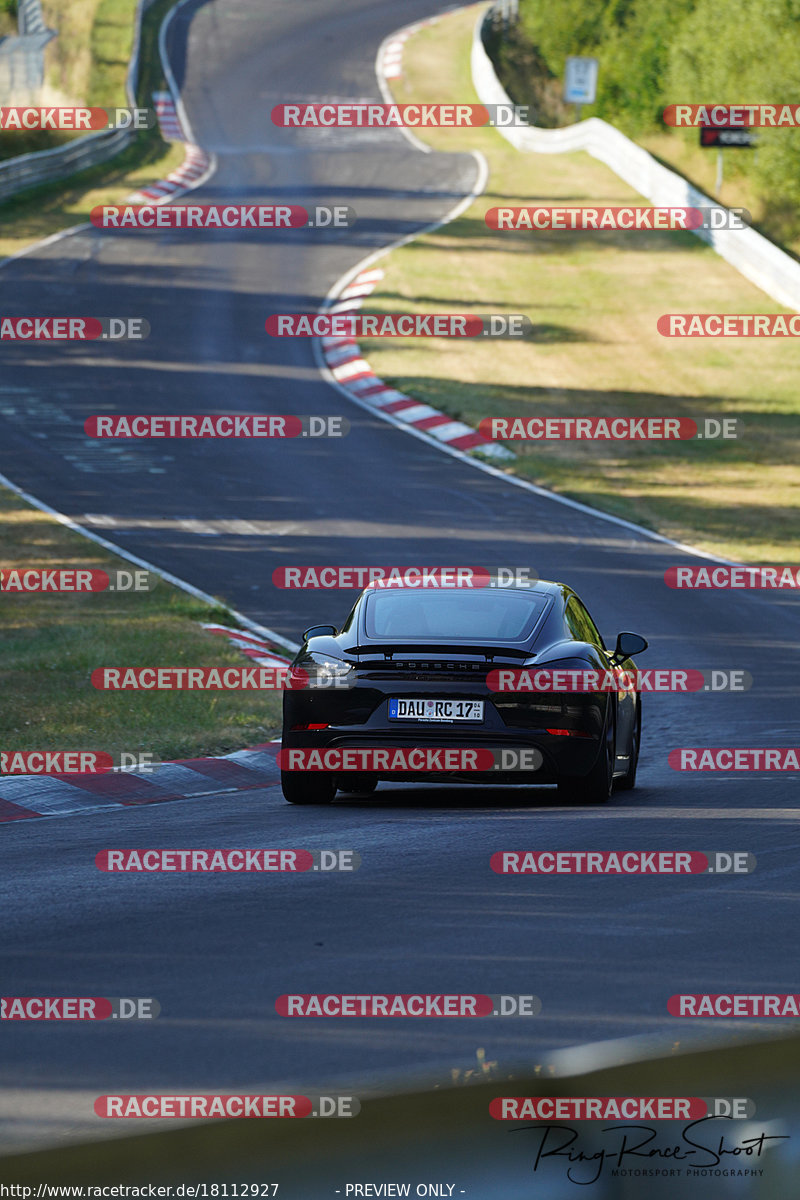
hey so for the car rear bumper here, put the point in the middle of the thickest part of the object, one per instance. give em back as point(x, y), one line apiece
point(560, 755)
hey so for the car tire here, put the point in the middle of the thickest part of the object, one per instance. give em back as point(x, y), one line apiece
point(307, 787)
point(627, 782)
point(594, 788)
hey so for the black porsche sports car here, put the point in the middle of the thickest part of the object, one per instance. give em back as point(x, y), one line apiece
point(413, 668)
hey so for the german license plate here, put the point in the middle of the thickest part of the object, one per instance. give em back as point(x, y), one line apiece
point(420, 709)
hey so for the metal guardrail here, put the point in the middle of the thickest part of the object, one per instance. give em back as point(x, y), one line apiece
point(753, 255)
point(46, 166)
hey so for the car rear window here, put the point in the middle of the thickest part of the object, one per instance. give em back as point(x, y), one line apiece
point(454, 614)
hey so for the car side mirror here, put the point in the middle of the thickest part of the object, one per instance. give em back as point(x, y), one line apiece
point(319, 631)
point(627, 645)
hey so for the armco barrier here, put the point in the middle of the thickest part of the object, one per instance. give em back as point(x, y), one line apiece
point(45, 166)
point(754, 256)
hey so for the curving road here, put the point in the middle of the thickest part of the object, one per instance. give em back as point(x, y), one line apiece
point(424, 912)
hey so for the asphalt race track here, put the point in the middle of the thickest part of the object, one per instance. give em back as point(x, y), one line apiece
point(424, 913)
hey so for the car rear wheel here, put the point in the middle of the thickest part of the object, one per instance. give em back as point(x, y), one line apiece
point(628, 781)
point(307, 787)
point(594, 788)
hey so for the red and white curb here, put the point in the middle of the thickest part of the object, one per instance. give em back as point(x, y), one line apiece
point(353, 373)
point(168, 120)
point(391, 60)
point(25, 796)
point(392, 64)
point(195, 168)
point(254, 647)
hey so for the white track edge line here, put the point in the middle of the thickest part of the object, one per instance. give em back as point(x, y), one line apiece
point(91, 811)
point(189, 588)
point(167, 576)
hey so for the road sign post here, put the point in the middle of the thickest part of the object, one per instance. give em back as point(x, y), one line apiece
point(580, 82)
point(720, 136)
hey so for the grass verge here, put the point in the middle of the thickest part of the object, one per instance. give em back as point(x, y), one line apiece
point(50, 643)
point(594, 299)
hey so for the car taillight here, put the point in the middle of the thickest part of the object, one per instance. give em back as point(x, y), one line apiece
point(311, 725)
point(569, 733)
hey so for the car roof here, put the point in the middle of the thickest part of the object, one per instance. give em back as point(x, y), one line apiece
point(547, 587)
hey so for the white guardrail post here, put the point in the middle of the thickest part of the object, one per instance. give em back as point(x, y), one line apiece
point(22, 54)
point(45, 166)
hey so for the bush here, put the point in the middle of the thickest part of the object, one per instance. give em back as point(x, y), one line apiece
point(745, 51)
point(687, 52)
